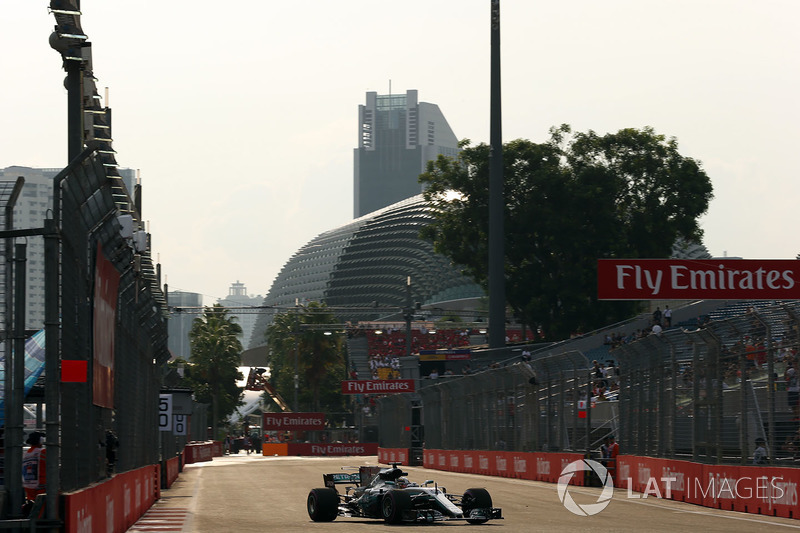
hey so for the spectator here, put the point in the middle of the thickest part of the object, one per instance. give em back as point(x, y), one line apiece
point(597, 372)
point(760, 453)
point(33, 466)
point(792, 444)
point(657, 316)
point(112, 443)
point(656, 329)
point(434, 374)
point(613, 452)
point(604, 452)
point(247, 444)
point(667, 317)
point(792, 388)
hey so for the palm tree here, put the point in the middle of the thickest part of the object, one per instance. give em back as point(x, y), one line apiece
point(215, 361)
point(300, 341)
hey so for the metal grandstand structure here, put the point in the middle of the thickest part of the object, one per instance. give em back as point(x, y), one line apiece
point(703, 391)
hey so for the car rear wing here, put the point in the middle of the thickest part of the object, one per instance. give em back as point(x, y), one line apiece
point(360, 478)
point(331, 480)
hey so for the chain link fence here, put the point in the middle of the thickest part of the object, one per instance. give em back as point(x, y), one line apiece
point(524, 406)
point(703, 391)
point(91, 202)
point(708, 393)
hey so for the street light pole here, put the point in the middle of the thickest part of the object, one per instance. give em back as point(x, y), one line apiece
point(296, 362)
point(497, 282)
point(408, 313)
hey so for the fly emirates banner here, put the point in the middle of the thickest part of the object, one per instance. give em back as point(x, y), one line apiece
point(707, 279)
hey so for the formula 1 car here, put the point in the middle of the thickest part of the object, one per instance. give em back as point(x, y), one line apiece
point(386, 493)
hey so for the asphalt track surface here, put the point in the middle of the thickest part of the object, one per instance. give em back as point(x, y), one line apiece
point(264, 494)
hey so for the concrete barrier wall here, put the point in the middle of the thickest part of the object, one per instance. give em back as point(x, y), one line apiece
point(765, 490)
point(319, 449)
point(114, 505)
point(522, 465)
point(196, 452)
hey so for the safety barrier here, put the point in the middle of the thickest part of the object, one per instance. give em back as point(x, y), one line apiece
point(319, 449)
point(764, 490)
point(521, 465)
point(761, 490)
point(115, 504)
point(172, 468)
point(196, 452)
point(394, 455)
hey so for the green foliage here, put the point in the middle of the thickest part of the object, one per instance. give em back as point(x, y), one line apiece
point(300, 335)
point(214, 362)
point(569, 201)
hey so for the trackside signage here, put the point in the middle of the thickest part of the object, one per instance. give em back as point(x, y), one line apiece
point(293, 421)
point(377, 386)
point(708, 279)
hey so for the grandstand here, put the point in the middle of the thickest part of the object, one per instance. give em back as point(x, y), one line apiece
point(702, 390)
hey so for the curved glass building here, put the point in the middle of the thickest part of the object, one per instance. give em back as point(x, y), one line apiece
point(365, 265)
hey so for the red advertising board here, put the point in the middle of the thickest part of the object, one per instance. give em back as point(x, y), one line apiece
point(198, 452)
point(113, 505)
point(522, 465)
point(377, 386)
point(393, 455)
point(293, 421)
point(332, 449)
point(751, 489)
point(708, 279)
point(106, 289)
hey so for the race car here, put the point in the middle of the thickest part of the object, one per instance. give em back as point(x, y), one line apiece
point(386, 493)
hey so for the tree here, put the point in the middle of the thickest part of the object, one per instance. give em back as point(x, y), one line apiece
point(214, 362)
point(299, 336)
point(569, 201)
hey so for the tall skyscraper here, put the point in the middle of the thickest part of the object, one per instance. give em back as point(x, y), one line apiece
point(398, 135)
point(180, 324)
point(30, 212)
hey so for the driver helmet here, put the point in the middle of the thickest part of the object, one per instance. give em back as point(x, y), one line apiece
point(402, 482)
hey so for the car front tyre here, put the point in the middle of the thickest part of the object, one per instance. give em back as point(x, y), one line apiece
point(475, 499)
point(393, 504)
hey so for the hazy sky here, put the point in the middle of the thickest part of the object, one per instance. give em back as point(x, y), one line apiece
point(242, 115)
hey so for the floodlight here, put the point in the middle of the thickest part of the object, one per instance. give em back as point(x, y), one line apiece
point(64, 7)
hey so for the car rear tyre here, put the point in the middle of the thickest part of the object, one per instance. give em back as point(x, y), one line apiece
point(393, 504)
point(323, 504)
point(475, 499)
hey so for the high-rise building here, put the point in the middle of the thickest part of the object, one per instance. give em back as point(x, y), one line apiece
point(180, 323)
point(240, 301)
point(30, 212)
point(398, 135)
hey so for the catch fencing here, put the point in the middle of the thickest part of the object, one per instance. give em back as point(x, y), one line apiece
point(99, 419)
point(92, 204)
point(703, 391)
